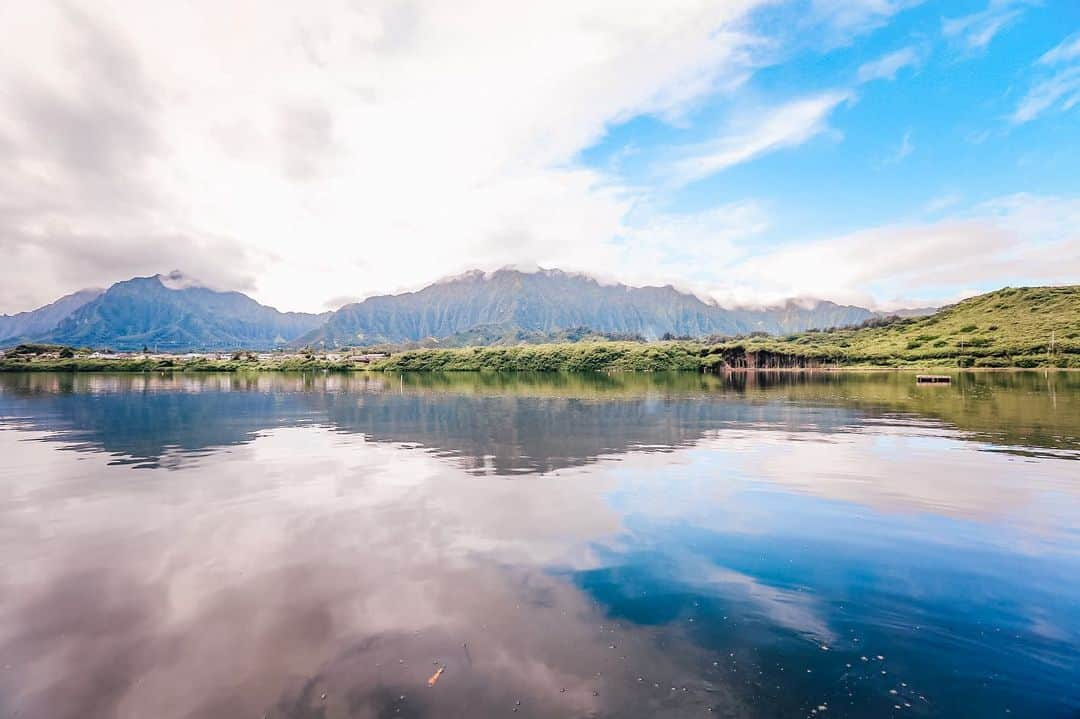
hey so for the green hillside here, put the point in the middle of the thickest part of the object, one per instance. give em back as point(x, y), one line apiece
point(1012, 327)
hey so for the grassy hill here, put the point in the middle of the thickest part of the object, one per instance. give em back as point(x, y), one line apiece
point(1012, 327)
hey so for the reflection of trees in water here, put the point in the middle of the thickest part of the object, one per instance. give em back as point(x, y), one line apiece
point(523, 423)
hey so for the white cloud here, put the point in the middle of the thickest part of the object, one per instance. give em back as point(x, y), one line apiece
point(905, 148)
point(338, 150)
point(977, 30)
point(658, 246)
point(1060, 91)
point(857, 16)
point(886, 67)
point(1013, 239)
point(1057, 91)
point(1018, 238)
point(787, 125)
point(942, 202)
point(1067, 51)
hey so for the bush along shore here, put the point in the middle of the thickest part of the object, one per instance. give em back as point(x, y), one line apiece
point(1026, 327)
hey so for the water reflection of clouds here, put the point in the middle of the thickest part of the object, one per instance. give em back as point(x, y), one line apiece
point(304, 543)
point(303, 559)
point(786, 608)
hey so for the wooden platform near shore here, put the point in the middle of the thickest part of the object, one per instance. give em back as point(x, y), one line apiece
point(933, 379)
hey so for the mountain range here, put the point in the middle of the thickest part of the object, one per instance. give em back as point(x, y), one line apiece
point(168, 313)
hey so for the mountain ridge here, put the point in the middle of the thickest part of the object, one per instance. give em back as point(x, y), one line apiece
point(546, 300)
point(171, 312)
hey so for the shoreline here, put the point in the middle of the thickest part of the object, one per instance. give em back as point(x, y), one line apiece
point(125, 367)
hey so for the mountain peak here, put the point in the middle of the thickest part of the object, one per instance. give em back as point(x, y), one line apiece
point(175, 312)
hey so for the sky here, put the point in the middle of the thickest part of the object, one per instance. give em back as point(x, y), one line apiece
point(886, 153)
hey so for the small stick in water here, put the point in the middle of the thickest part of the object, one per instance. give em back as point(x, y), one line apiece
point(435, 677)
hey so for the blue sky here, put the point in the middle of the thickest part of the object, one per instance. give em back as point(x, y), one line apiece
point(881, 152)
point(931, 126)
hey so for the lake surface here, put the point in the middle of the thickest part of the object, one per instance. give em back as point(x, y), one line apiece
point(760, 545)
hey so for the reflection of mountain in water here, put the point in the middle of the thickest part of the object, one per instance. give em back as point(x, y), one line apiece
point(520, 424)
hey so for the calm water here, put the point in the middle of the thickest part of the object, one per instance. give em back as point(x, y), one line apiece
point(630, 546)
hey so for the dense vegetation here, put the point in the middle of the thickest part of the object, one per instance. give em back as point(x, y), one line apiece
point(577, 357)
point(19, 360)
